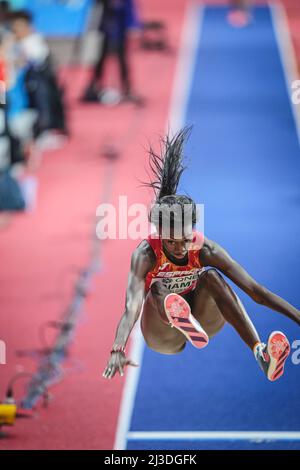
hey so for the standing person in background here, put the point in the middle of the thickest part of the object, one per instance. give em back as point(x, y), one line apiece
point(118, 16)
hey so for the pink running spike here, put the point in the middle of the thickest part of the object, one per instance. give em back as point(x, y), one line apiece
point(179, 315)
point(278, 350)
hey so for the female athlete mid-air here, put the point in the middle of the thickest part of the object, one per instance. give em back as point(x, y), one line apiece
point(177, 284)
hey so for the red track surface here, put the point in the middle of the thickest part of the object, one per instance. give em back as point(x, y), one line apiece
point(40, 252)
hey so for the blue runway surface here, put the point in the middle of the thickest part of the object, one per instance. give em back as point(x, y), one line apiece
point(245, 167)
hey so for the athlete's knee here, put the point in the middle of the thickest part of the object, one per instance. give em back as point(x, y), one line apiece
point(158, 288)
point(212, 276)
point(215, 282)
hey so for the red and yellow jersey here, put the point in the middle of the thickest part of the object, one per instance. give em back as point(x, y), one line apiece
point(179, 279)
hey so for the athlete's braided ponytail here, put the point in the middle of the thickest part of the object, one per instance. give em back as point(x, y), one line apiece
point(167, 169)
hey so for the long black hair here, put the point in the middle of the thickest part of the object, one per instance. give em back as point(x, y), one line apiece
point(167, 168)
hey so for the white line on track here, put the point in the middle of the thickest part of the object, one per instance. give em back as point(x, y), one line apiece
point(257, 436)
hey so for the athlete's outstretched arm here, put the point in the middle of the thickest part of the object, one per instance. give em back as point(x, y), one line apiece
point(212, 254)
point(142, 261)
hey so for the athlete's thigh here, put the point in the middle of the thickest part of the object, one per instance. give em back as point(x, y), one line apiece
point(206, 311)
point(158, 335)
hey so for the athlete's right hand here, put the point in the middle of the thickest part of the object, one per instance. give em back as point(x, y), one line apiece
point(117, 362)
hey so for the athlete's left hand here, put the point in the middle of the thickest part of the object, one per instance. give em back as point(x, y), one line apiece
point(117, 363)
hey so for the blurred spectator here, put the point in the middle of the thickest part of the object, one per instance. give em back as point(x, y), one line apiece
point(31, 111)
point(43, 91)
point(11, 197)
point(118, 16)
